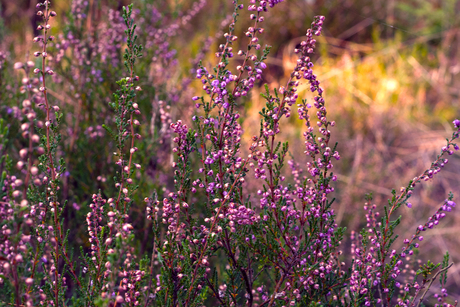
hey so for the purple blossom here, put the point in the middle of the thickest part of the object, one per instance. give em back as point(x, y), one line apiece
point(457, 123)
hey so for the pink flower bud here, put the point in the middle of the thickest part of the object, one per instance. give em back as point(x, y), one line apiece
point(18, 65)
point(31, 116)
point(26, 103)
point(34, 170)
point(127, 227)
point(18, 258)
point(23, 153)
point(20, 164)
point(35, 138)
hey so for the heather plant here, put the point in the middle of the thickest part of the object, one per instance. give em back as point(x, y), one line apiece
point(206, 240)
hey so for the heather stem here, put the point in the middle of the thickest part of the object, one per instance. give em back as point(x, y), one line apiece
point(202, 253)
point(50, 154)
point(431, 282)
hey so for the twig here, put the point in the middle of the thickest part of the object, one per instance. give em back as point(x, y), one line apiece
point(431, 282)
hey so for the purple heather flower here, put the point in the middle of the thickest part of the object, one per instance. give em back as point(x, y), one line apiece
point(456, 123)
point(451, 203)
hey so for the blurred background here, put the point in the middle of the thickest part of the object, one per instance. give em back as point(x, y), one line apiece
point(390, 70)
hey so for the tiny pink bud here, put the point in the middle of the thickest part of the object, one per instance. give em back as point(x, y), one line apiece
point(31, 116)
point(34, 170)
point(26, 103)
point(35, 138)
point(23, 153)
point(127, 227)
point(18, 65)
point(18, 258)
point(20, 164)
